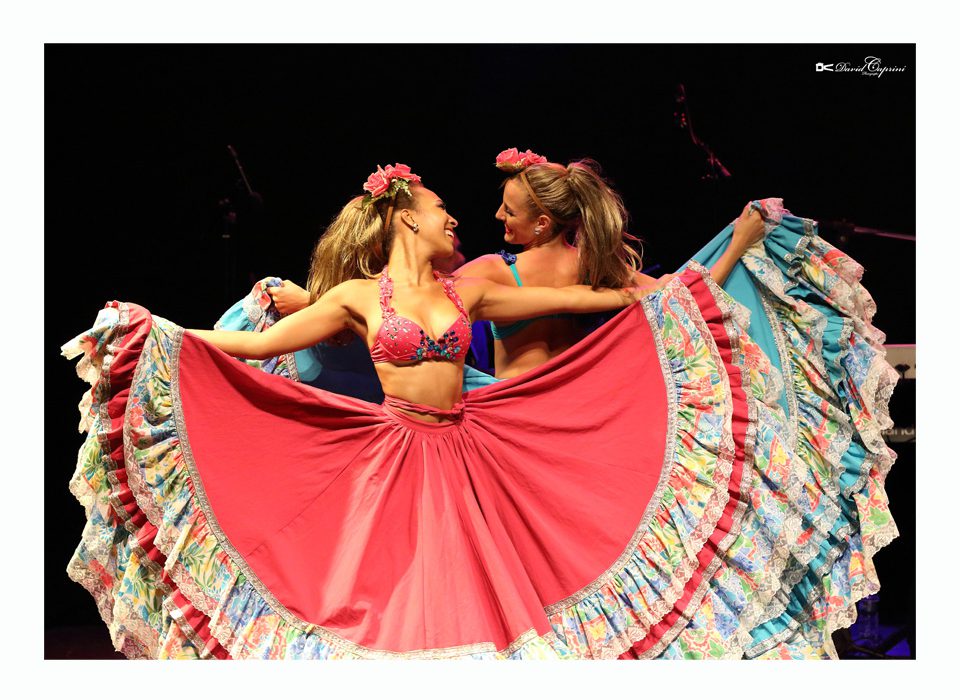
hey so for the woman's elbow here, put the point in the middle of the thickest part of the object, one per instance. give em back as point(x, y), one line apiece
point(259, 349)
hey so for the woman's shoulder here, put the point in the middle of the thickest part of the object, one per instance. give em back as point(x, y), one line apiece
point(541, 265)
point(357, 285)
point(567, 252)
point(354, 292)
point(491, 267)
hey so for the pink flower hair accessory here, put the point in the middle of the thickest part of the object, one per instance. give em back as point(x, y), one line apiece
point(386, 182)
point(513, 161)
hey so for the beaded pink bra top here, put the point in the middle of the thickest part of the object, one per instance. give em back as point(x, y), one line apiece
point(401, 340)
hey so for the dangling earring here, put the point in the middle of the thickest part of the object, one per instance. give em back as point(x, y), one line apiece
point(415, 227)
point(537, 230)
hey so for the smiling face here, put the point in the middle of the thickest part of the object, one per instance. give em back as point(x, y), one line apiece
point(518, 220)
point(435, 225)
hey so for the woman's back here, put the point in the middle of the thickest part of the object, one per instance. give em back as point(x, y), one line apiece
point(528, 344)
point(546, 207)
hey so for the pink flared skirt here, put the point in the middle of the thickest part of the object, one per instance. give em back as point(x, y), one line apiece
point(592, 507)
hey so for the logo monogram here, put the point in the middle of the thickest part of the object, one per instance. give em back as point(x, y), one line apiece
point(871, 67)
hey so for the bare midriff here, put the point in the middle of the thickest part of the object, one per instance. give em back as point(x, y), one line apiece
point(437, 383)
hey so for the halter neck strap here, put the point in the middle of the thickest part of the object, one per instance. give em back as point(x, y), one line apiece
point(386, 292)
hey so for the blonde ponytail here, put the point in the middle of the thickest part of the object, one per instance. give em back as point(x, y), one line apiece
point(606, 258)
point(581, 203)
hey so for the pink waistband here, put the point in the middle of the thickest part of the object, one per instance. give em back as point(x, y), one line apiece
point(397, 402)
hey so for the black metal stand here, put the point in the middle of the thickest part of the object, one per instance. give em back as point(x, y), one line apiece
point(228, 254)
point(230, 231)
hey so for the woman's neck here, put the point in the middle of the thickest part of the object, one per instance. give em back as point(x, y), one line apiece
point(409, 266)
point(557, 243)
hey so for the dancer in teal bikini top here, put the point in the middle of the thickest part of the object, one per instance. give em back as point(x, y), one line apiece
point(570, 223)
point(504, 330)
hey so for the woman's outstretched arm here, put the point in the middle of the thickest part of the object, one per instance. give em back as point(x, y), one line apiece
point(747, 231)
point(323, 319)
point(500, 303)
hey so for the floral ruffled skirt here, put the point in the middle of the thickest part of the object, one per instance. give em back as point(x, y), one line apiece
point(692, 512)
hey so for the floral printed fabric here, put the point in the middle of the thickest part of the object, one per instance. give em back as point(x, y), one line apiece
point(842, 384)
point(834, 395)
point(794, 556)
point(256, 312)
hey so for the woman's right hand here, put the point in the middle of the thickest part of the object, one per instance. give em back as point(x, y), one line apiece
point(289, 297)
point(748, 228)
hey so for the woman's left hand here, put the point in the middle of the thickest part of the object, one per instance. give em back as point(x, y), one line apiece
point(289, 297)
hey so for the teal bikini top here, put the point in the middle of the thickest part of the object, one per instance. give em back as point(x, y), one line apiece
point(502, 330)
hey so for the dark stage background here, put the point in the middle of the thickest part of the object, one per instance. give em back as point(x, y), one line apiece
point(137, 169)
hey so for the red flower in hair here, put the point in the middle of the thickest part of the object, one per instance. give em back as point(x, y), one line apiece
point(386, 181)
point(399, 170)
point(513, 161)
point(531, 158)
point(511, 155)
point(377, 183)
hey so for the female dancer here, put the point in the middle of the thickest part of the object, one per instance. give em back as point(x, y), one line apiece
point(553, 516)
point(545, 207)
point(341, 364)
point(543, 203)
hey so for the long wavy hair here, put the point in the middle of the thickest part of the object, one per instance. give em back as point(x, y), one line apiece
point(589, 211)
point(355, 245)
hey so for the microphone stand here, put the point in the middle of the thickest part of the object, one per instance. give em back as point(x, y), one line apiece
point(255, 196)
point(228, 218)
point(229, 232)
